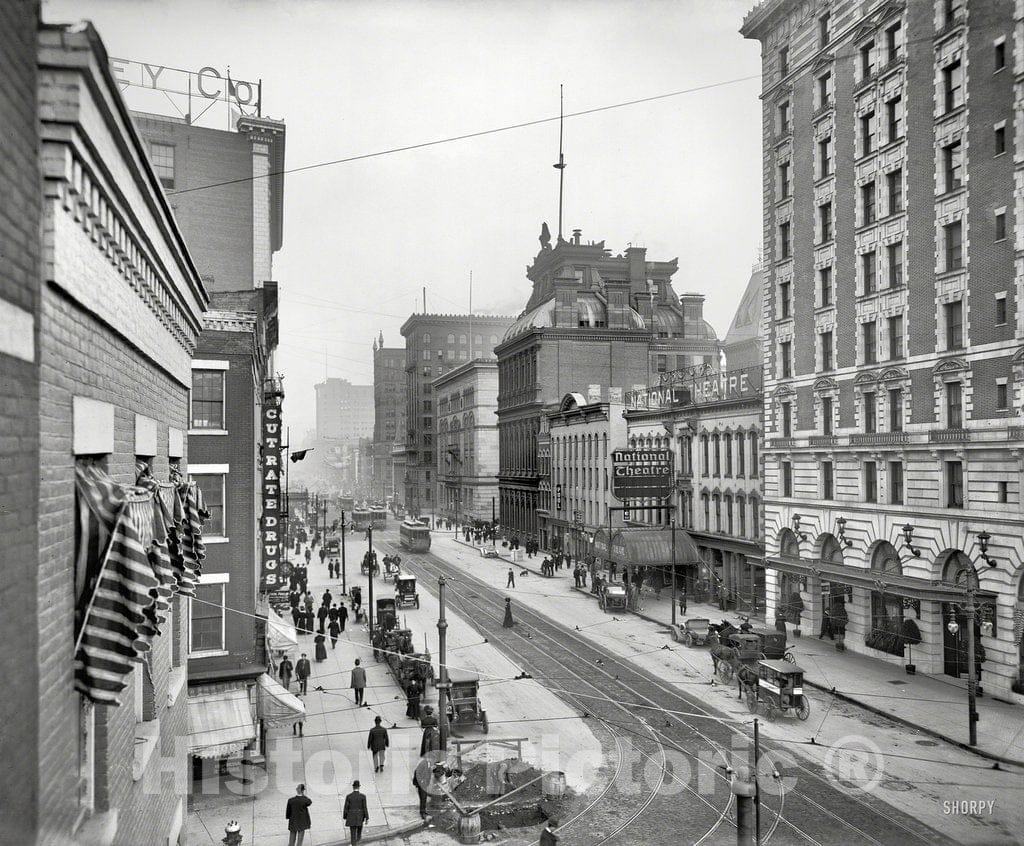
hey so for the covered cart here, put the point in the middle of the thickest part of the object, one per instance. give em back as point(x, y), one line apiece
point(780, 689)
point(612, 596)
point(464, 700)
point(406, 595)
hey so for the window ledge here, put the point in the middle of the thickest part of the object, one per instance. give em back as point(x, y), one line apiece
point(213, 653)
point(216, 539)
point(175, 683)
point(208, 431)
point(98, 829)
point(147, 738)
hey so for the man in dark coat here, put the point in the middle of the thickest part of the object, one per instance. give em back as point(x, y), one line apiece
point(421, 778)
point(377, 743)
point(355, 813)
point(302, 672)
point(412, 692)
point(321, 615)
point(284, 671)
point(342, 616)
point(326, 599)
point(333, 629)
point(358, 683)
point(297, 814)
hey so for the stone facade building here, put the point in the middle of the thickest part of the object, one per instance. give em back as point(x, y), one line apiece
point(388, 410)
point(467, 441)
point(435, 344)
point(595, 322)
point(894, 333)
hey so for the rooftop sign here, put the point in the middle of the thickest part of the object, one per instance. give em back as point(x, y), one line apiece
point(690, 388)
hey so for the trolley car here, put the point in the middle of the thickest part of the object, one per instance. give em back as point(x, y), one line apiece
point(414, 536)
point(366, 518)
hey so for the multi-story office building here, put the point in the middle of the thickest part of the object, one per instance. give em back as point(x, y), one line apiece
point(434, 345)
point(892, 392)
point(594, 322)
point(344, 412)
point(466, 399)
point(388, 405)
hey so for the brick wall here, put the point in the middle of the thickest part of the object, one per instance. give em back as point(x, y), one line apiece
point(21, 187)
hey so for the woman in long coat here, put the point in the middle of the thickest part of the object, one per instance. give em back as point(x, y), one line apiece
point(412, 709)
point(321, 648)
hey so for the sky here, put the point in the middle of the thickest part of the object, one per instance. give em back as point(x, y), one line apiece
point(679, 175)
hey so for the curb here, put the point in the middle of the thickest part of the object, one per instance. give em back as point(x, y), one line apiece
point(992, 756)
point(398, 831)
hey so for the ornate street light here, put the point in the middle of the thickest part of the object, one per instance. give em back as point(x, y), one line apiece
point(796, 528)
point(841, 530)
point(908, 537)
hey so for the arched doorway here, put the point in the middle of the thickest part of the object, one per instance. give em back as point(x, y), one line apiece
point(790, 603)
point(955, 639)
point(834, 595)
point(1018, 629)
point(884, 633)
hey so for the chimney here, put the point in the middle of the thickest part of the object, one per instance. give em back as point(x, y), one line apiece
point(693, 314)
point(576, 236)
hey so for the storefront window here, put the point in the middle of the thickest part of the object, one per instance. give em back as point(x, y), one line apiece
point(884, 633)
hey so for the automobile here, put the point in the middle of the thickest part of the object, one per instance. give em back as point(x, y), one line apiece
point(490, 553)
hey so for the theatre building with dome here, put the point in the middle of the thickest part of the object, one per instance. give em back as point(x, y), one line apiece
point(596, 324)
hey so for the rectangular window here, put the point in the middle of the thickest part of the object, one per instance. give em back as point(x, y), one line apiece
point(1004, 492)
point(824, 90)
point(784, 299)
point(827, 481)
point(896, 410)
point(870, 343)
point(869, 266)
point(867, 133)
point(211, 485)
point(823, 26)
point(787, 478)
point(1000, 309)
point(954, 233)
point(870, 481)
point(825, 218)
point(826, 351)
point(162, 158)
point(784, 354)
point(999, 55)
point(894, 255)
point(1000, 225)
point(784, 61)
point(952, 12)
point(741, 455)
point(661, 363)
point(784, 245)
point(894, 118)
point(784, 180)
point(894, 186)
point(870, 413)
point(954, 314)
point(953, 86)
point(953, 165)
point(786, 410)
point(893, 43)
point(208, 399)
point(784, 118)
point(826, 416)
point(206, 619)
point(867, 203)
point(954, 405)
point(999, 140)
point(1002, 395)
point(867, 61)
point(896, 482)
point(954, 484)
point(754, 463)
point(824, 157)
point(825, 285)
point(895, 337)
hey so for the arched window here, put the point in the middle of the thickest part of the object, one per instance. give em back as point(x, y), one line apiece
point(885, 633)
point(706, 469)
point(705, 502)
point(728, 514)
point(718, 454)
point(755, 517)
point(451, 338)
point(494, 340)
point(462, 339)
point(426, 339)
point(728, 454)
point(718, 512)
point(741, 513)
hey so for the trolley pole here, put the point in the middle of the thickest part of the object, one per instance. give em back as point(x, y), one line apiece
point(673, 523)
point(972, 707)
point(369, 578)
point(344, 590)
point(442, 663)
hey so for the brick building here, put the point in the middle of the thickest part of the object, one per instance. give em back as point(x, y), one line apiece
point(121, 311)
point(388, 408)
point(466, 400)
point(434, 345)
point(594, 321)
point(893, 330)
point(20, 273)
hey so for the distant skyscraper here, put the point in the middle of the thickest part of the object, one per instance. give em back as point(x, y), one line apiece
point(388, 408)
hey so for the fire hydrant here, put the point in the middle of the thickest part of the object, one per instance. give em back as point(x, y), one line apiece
point(233, 832)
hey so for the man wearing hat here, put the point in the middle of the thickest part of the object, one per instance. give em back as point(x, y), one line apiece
point(355, 813)
point(297, 814)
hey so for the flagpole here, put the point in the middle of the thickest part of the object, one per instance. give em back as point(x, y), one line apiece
point(560, 167)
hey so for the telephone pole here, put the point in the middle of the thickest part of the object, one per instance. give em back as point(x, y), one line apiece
point(344, 589)
point(369, 577)
point(442, 672)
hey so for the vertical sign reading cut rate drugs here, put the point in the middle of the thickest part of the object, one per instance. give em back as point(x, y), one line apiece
point(270, 539)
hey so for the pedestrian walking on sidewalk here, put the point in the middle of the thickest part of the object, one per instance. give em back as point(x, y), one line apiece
point(511, 583)
point(321, 648)
point(297, 814)
point(358, 683)
point(309, 555)
point(412, 708)
point(303, 669)
point(321, 615)
point(509, 622)
point(421, 778)
point(342, 616)
point(377, 743)
point(323, 554)
point(326, 599)
point(355, 813)
point(333, 629)
point(284, 672)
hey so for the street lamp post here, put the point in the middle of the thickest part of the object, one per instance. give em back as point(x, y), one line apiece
point(442, 665)
point(344, 588)
point(369, 578)
point(673, 524)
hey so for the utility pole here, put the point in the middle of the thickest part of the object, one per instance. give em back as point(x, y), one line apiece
point(442, 672)
point(757, 784)
point(369, 577)
point(673, 523)
point(344, 589)
point(494, 534)
point(972, 610)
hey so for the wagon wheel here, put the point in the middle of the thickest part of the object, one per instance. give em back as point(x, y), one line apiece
point(789, 657)
point(483, 721)
point(770, 710)
point(689, 639)
point(726, 672)
point(752, 701)
point(803, 708)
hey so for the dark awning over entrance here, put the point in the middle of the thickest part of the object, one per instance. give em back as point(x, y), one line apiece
point(908, 586)
point(652, 547)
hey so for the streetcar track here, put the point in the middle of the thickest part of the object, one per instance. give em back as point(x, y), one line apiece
point(814, 778)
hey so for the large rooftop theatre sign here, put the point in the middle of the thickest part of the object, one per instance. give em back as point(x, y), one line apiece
point(207, 96)
point(641, 473)
point(694, 388)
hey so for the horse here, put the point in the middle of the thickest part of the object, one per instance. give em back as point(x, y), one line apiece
point(722, 654)
point(746, 677)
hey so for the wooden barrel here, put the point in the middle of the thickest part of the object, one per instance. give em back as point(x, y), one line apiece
point(554, 784)
point(469, 828)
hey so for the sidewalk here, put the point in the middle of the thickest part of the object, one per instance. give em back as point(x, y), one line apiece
point(332, 752)
point(925, 703)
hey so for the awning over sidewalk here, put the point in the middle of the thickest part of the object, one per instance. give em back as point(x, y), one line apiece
point(280, 635)
point(220, 723)
point(275, 705)
point(653, 547)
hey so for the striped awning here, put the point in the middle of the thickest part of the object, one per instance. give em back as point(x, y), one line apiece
point(653, 548)
point(220, 724)
point(276, 706)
